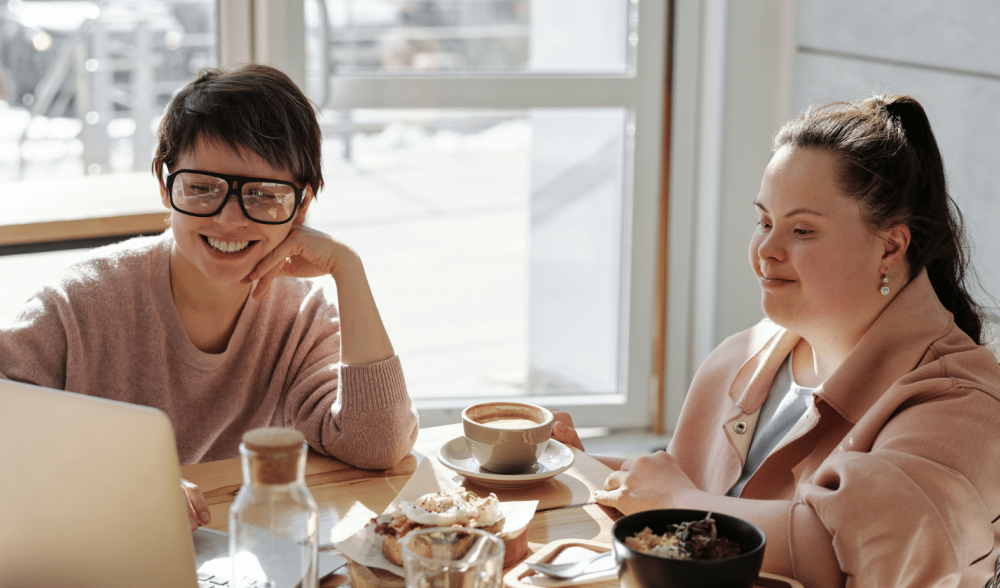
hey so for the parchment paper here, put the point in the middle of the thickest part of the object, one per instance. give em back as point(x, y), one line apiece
point(365, 547)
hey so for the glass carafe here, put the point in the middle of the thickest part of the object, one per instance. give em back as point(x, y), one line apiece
point(273, 524)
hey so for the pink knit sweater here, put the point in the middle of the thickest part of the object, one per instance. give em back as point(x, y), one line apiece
point(107, 326)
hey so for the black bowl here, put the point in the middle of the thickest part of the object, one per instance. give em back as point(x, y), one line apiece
point(640, 570)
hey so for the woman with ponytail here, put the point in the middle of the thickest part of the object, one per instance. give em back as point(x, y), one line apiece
point(859, 424)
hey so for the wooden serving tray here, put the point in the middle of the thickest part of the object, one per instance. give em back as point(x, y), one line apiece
point(774, 581)
point(366, 577)
point(512, 579)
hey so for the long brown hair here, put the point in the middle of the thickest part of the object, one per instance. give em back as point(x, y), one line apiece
point(888, 160)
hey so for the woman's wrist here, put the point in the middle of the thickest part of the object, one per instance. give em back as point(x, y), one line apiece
point(347, 263)
point(689, 498)
point(363, 337)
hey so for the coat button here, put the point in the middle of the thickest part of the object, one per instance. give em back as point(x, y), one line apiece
point(740, 428)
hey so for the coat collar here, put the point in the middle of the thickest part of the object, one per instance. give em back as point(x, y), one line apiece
point(892, 347)
point(769, 345)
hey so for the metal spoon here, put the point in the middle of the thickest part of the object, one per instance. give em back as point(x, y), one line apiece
point(567, 570)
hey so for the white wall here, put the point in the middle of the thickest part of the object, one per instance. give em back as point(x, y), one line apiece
point(731, 90)
point(944, 54)
point(759, 59)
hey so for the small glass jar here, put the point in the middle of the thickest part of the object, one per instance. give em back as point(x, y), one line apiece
point(273, 524)
point(452, 557)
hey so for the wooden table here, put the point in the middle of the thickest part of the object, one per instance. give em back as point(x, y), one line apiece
point(566, 506)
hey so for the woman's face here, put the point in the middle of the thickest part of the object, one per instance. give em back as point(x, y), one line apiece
point(818, 264)
point(228, 246)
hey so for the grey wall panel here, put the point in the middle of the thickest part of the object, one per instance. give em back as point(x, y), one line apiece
point(962, 34)
point(965, 114)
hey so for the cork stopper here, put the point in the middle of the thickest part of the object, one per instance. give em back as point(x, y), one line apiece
point(277, 454)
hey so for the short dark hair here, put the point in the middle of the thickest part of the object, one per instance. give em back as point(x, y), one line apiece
point(250, 107)
point(888, 161)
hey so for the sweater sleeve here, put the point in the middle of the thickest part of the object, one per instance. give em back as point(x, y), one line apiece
point(360, 414)
point(916, 510)
point(34, 347)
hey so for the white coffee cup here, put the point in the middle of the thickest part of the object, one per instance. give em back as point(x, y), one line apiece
point(507, 437)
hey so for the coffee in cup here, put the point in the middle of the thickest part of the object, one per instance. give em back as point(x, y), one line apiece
point(507, 437)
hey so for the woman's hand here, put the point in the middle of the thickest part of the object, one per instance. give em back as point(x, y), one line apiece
point(197, 509)
point(646, 483)
point(305, 253)
point(563, 431)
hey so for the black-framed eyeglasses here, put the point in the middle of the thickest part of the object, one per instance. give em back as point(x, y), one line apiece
point(201, 193)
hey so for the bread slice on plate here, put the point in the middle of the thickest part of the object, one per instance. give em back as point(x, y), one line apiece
point(392, 548)
point(459, 508)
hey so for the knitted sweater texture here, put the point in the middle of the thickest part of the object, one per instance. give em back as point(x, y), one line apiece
point(107, 326)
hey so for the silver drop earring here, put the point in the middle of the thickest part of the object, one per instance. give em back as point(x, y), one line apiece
point(885, 283)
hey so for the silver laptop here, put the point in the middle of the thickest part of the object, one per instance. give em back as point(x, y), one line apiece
point(90, 497)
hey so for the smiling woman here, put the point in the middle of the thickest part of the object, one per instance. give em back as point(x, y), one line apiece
point(853, 424)
point(214, 234)
point(216, 321)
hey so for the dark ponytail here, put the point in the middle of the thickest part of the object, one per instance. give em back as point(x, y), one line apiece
point(889, 161)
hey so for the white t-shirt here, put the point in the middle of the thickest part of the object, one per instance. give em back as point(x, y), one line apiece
point(784, 406)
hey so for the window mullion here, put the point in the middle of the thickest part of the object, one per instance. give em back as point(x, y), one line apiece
point(484, 92)
point(236, 32)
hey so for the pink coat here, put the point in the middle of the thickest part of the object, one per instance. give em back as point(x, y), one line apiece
point(893, 479)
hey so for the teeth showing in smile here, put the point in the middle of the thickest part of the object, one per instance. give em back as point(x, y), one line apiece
point(227, 246)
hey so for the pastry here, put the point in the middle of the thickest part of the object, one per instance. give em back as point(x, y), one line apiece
point(457, 508)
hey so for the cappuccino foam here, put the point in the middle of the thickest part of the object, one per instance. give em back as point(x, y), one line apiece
point(510, 424)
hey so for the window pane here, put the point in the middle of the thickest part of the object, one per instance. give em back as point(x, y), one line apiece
point(492, 241)
point(523, 36)
point(84, 84)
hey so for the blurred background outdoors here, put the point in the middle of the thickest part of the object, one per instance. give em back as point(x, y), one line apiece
point(499, 164)
point(492, 234)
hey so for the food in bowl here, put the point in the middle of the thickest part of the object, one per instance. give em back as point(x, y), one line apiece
point(643, 570)
point(457, 508)
point(687, 540)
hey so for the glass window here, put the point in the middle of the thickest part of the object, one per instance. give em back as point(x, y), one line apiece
point(493, 241)
point(83, 84)
point(487, 36)
point(496, 163)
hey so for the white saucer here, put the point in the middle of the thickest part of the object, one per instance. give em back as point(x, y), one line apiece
point(456, 455)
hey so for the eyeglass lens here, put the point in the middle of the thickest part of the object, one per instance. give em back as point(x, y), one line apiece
point(202, 194)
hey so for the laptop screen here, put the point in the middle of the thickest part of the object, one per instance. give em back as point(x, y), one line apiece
point(91, 493)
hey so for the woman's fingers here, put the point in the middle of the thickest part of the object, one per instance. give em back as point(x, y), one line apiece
point(645, 483)
point(198, 513)
point(276, 258)
point(566, 434)
point(192, 517)
point(614, 490)
point(304, 253)
point(561, 416)
point(608, 498)
point(264, 282)
point(614, 480)
point(563, 430)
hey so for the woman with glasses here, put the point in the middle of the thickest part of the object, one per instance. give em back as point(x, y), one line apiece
point(216, 321)
point(857, 425)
